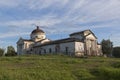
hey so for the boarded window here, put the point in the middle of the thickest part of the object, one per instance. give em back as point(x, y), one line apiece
point(56, 50)
point(66, 49)
point(44, 50)
point(50, 50)
point(40, 52)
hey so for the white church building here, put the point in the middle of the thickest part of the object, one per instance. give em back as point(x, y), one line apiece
point(83, 43)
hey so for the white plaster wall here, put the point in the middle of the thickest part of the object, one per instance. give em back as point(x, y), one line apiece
point(37, 50)
point(91, 37)
point(70, 45)
point(52, 47)
point(27, 47)
point(99, 50)
point(44, 41)
point(38, 43)
point(79, 48)
point(71, 48)
point(38, 36)
point(86, 32)
point(99, 46)
point(20, 47)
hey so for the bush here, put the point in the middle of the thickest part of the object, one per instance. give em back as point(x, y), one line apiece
point(107, 47)
point(11, 54)
point(2, 51)
point(10, 51)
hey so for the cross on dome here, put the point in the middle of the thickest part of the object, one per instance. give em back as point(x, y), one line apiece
point(37, 27)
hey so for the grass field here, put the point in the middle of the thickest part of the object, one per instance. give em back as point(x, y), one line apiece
point(56, 67)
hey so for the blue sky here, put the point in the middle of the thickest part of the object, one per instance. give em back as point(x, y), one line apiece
point(59, 18)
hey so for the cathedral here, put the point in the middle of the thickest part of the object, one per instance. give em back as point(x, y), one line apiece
point(83, 43)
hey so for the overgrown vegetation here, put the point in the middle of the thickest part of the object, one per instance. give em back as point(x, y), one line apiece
point(10, 51)
point(107, 47)
point(2, 51)
point(57, 67)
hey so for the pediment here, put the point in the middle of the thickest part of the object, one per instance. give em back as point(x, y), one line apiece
point(20, 41)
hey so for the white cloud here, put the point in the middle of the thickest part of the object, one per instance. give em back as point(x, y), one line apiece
point(40, 4)
point(84, 11)
point(9, 3)
point(64, 15)
point(29, 23)
point(12, 34)
point(32, 4)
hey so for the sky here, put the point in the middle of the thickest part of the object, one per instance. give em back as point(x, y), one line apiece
point(59, 18)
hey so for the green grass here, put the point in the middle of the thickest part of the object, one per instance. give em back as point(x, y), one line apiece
point(56, 67)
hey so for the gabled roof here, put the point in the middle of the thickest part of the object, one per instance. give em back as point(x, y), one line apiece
point(28, 40)
point(59, 41)
point(82, 32)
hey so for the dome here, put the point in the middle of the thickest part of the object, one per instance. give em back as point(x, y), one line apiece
point(37, 31)
point(37, 34)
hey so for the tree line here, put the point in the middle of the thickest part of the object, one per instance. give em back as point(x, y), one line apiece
point(10, 51)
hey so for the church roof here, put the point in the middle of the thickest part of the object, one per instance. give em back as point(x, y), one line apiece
point(21, 39)
point(82, 32)
point(60, 41)
point(27, 40)
point(37, 30)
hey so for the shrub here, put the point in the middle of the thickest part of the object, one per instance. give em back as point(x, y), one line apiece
point(10, 51)
point(2, 51)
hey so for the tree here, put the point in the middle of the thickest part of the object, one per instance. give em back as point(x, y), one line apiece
point(116, 52)
point(2, 51)
point(107, 47)
point(10, 51)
